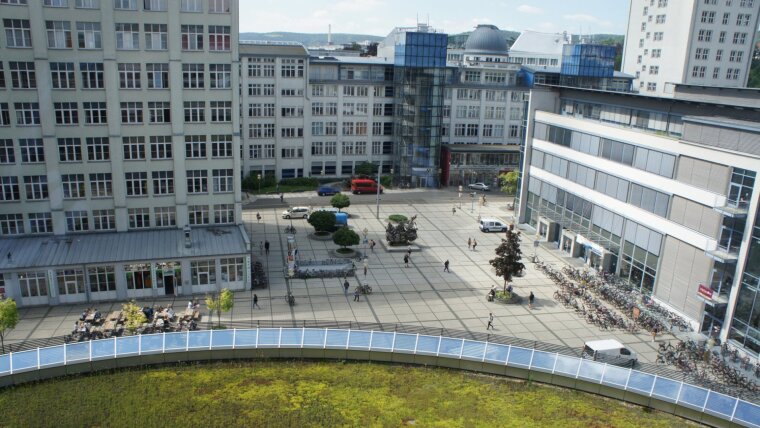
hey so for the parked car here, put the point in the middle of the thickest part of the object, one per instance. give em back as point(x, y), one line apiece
point(327, 190)
point(479, 186)
point(492, 225)
point(296, 212)
point(609, 351)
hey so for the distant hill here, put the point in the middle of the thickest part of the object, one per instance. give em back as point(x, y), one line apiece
point(310, 39)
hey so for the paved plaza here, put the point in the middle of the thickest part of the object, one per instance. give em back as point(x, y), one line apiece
point(422, 294)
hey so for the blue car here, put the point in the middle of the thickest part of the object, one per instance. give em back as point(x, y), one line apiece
point(327, 190)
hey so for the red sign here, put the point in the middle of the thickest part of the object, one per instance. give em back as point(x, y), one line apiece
point(705, 291)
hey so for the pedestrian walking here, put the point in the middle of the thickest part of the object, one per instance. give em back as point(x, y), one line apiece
point(372, 245)
point(474, 244)
point(266, 247)
point(531, 298)
point(490, 321)
point(654, 334)
point(282, 197)
point(345, 286)
point(446, 266)
point(469, 243)
point(406, 261)
point(256, 302)
point(261, 247)
point(366, 264)
point(357, 293)
point(258, 218)
point(453, 210)
point(409, 251)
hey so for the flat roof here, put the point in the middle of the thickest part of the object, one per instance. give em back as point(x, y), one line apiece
point(133, 246)
point(482, 148)
point(558, 70)
point(725, 122)
point(364, 60)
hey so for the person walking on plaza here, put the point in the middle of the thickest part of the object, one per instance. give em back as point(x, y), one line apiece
point(409, 251)
point(453, 210)
point(372, 245)
point(531, 298)
point(446, 266)
point(266, 247)
point(654, 334)
point(366, 264)
point(345, 286)
point(261, 247)
point(357, 293)
point(282, 197)
point(469, 243)
point(490, 321)
point(406, 261)
point(256, 302)
point(474, 244)
point(258, 218)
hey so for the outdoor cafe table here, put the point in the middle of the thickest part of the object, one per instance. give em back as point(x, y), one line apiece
point(114, 316)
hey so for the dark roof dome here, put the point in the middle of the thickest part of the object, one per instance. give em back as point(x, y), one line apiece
point(486, 39)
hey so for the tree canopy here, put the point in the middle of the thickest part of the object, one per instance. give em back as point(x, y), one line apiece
point(340, 201)
point(134, 316)
point(509, 182)
point(365, 168)
point(322, 220)
point(8, 318)
point(508, 255)
point(345, 237)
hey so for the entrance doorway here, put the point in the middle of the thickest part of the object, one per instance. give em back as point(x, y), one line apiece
point(168, 284)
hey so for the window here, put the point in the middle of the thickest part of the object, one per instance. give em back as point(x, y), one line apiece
point(718, 54)
point(58, 34)
point(732, 74)
point(101, 185)
point(743, 19)
point(36, 187)
point(56, 3)
point(13, 2)
point(657, 36)
point(134, 148)
point(716, 73)
point(221, 111)
point(643, 26)
point(156, 37)
point(225, 214)
point(164, 216)
point(62, 75)
point(159, 112)
point(704, 35)
point(698, 71)
point(17, 33)
point(192, 37)
point(127, 36)
point(27, 113)
point(195, 111)
point(292, 152)
point(7, 153)
point(9, 189)
point(219, 6)
point(195, 146)
point(291, 67)
point(11, 224)
point(198, 214)
point(191, 6)
point(222, 180)
point(740, 38)
point(69, 150)
point(22, 75)
point(701, 53)
point(102, 279)
point(722, 37)
point(220, 76)
point(221, 146)
point(651, 86)
point(92, 75)
point(129, 76)
point(660, 19)
point(163, 182)
point(125, 4)
point(32, 150)
point(330, 149)
point(137, 183)
point(160, 147)
point(218, 38)
point(139, 218)
point(158, 76)
point(89, 35)
point(87, 4)
point(98, 149)
point(726, 17)
point(154, 5)
point(40, 222)
point(2, 76)
point(76, 221)
point(708, 17)
point(197, 181)
point(192, 76)
point(662, 3)
point(66, 113)
point(73, 186)
point(131, 112)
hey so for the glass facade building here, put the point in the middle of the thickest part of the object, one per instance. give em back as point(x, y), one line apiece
point(588, 60)
point(745, 326)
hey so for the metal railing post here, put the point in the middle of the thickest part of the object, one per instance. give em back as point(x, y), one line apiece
point(210, 339)
point(234, 336)
point(139, 344)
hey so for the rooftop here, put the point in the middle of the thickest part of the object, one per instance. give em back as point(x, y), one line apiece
point(540, 43)
point(486, 39)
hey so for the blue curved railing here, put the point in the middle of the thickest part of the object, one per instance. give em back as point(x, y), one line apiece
point(649, 385)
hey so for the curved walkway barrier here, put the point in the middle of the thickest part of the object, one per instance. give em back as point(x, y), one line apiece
point(646, 389)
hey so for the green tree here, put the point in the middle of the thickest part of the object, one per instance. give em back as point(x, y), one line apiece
point(133, 315)
point(222, 302)
point(345, 237)
point(366, 168)
point(508, 255)
point(340, 201)
point(8, 318)
point(509, 182)
point(754, 75)
point(322, 220)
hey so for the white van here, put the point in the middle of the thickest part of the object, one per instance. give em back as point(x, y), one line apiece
point(609, 351)
point(492, 225)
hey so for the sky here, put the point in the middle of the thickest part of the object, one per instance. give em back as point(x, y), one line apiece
point(379, 17)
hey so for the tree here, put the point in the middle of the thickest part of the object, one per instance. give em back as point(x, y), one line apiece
point(345, 237)
point(8, 318)
point(322, 220)
point(133, 315)
point(340, 201)
point(366, 168)
point(223, 302)
point(508, 255)
point(509, 182)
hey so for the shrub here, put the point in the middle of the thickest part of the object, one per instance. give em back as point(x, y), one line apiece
point(322, 220)
point(251, 182)
point(345, 237)
point(397, 218)
point(300, 181)
point(340, 201)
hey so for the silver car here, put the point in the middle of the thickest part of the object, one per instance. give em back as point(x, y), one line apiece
point(296, 212)
point(479, 186)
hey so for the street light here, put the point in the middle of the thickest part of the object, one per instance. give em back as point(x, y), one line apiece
point(258, 178)
point(377, 213)
point(392, 177)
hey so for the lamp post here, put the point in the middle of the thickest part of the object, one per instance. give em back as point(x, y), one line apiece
point(392, 177)
point(258, 178)
point(377, 213)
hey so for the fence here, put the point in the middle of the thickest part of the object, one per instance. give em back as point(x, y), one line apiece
point(446, 350)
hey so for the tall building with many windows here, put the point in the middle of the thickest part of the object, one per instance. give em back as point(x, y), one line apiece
point(120, 127)
point(695, 42)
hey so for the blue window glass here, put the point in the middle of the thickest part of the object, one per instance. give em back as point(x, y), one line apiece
point(175, 340)
point(291, 336)
point(405, 342)
point(337, 338)
point(48, 356)
point(358, 339)
point(222, 338)
point(151, 343)
point(127, 345)
point(199, 339)
point(100, 348)
point(74, 352)
point(520, 356)
point(543, 361)
point(382, 340)
point(314, 338)
point(246, 338)
point(473, 350)
point(428, 344)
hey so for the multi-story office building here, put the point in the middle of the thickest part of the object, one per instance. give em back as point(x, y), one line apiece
point(695, 42)
point(659, 191)
point(120, 127)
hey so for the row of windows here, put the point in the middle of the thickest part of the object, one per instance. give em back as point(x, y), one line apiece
point(700, 72)
point(214, 6)
point(63, 75)
point(289, 67)
point(739, 38)
point(352, 91)
point(32, 150)
point(742, 19)
point(322, 148)
point(88, 35)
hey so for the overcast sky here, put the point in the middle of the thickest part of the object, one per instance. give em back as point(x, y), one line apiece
point(378, 17)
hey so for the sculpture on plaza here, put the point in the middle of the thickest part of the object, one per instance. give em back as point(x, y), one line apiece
point(403, 233)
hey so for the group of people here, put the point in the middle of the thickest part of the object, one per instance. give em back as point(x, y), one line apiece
point(472, 244)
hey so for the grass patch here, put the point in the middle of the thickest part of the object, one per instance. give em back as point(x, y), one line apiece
point(302, 394)
point(397, 218)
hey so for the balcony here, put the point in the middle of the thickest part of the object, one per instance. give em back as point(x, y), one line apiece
point(737, 209)
point(724, 254)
